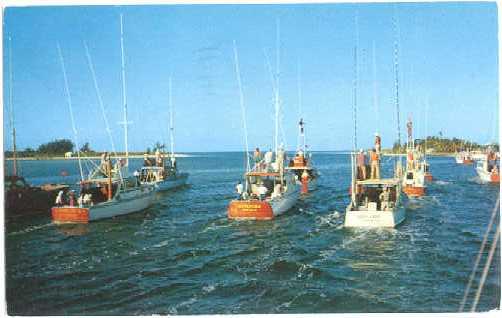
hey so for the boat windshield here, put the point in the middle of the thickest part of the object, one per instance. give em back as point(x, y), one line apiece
point(376, 198)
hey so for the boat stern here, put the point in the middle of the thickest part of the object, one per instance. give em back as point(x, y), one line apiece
point(413, 191)
point(250, 210)
point(70, 214)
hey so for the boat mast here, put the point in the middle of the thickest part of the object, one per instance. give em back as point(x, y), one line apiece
point(355, 83)
point(276, 100)
point(396, 75)
point(375, 91)
point(14, 152)
point(100, 102)
point(124, 97)
point(171, 122)
point(68, 97)
point(243, 109)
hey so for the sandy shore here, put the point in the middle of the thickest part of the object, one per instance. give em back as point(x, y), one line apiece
point(178, 155)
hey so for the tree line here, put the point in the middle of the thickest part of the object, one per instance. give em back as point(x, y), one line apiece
point(443, 145)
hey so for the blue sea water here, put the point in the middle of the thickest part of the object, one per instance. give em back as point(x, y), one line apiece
point(183, 256)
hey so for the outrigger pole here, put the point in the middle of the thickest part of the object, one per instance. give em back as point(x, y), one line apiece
point(396, 78)
point(171, 122)
point(124, 97)
point(68, 97)
point(276, 100)
point(243, 110)
point(100, 102)
point(11, 117)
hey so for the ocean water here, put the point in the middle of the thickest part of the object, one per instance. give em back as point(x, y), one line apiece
point(183, 256)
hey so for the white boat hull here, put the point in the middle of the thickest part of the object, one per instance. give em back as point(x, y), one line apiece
point(374, 218)
point(286, 201)
point(180, 180)
point(127, 203)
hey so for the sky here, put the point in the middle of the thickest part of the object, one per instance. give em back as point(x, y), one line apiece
point(448, 60)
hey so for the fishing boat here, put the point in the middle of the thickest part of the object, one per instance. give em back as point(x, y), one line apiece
point(464, 157)
point(103, 195)
point(374, 202)
point(414, 175)
point(488, 169)
point(21, 198)
point(164, 174)
point(301, 164)
point(269, 189)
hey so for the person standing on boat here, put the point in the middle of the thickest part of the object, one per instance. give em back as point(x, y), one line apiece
point(384, 199)
point(257, 158)
point(280, 158)
point(146, 161)
point(158, 159)
point(239, 188)
point(59, 198)
point(361, 165)
point(378, 143)
point(104, 158)
point(269, 155)
point(375, 164)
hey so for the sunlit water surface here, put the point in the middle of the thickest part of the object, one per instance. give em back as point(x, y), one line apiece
point(183, 256)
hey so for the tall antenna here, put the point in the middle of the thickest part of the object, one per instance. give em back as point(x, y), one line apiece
point(70, 107)
point(375, 91)
point(100, 101)
point(171, 121)
point(243, 108)
point(396, 69)
point(14, 154)
point(124, 97)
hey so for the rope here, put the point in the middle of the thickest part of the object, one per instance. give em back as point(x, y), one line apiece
point(68, 96)
point(478, 257)
point(486, 269)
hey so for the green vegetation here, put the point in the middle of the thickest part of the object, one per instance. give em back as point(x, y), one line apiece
point(443, 145)
point(56, 148)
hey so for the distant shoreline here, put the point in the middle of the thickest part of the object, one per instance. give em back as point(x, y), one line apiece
point(178, 155)
point(181, 155)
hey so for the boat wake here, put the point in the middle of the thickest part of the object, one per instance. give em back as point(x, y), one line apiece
point(31, 229)
point(441, 182)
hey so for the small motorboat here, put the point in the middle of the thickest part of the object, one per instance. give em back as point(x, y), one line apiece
point(305, 175)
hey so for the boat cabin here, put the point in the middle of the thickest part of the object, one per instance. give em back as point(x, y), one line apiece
point(376, 195)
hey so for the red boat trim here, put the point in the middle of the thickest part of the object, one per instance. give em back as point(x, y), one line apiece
point(414, 191)
point(70, 214)
point(250, 210)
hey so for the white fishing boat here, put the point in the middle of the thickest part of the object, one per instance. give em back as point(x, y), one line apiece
point(374, 202)
point(108, 192)
point(464, 157)
point(488, 169)
point(269, 190)
point(164, 174)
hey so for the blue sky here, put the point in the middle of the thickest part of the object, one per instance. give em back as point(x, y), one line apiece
point(448, 55)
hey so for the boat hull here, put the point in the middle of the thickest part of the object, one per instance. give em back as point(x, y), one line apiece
point(374, 219)
point(414, 191)
point(250, 210)
point(128, 203)
point(487, 177)
point(180, 180)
